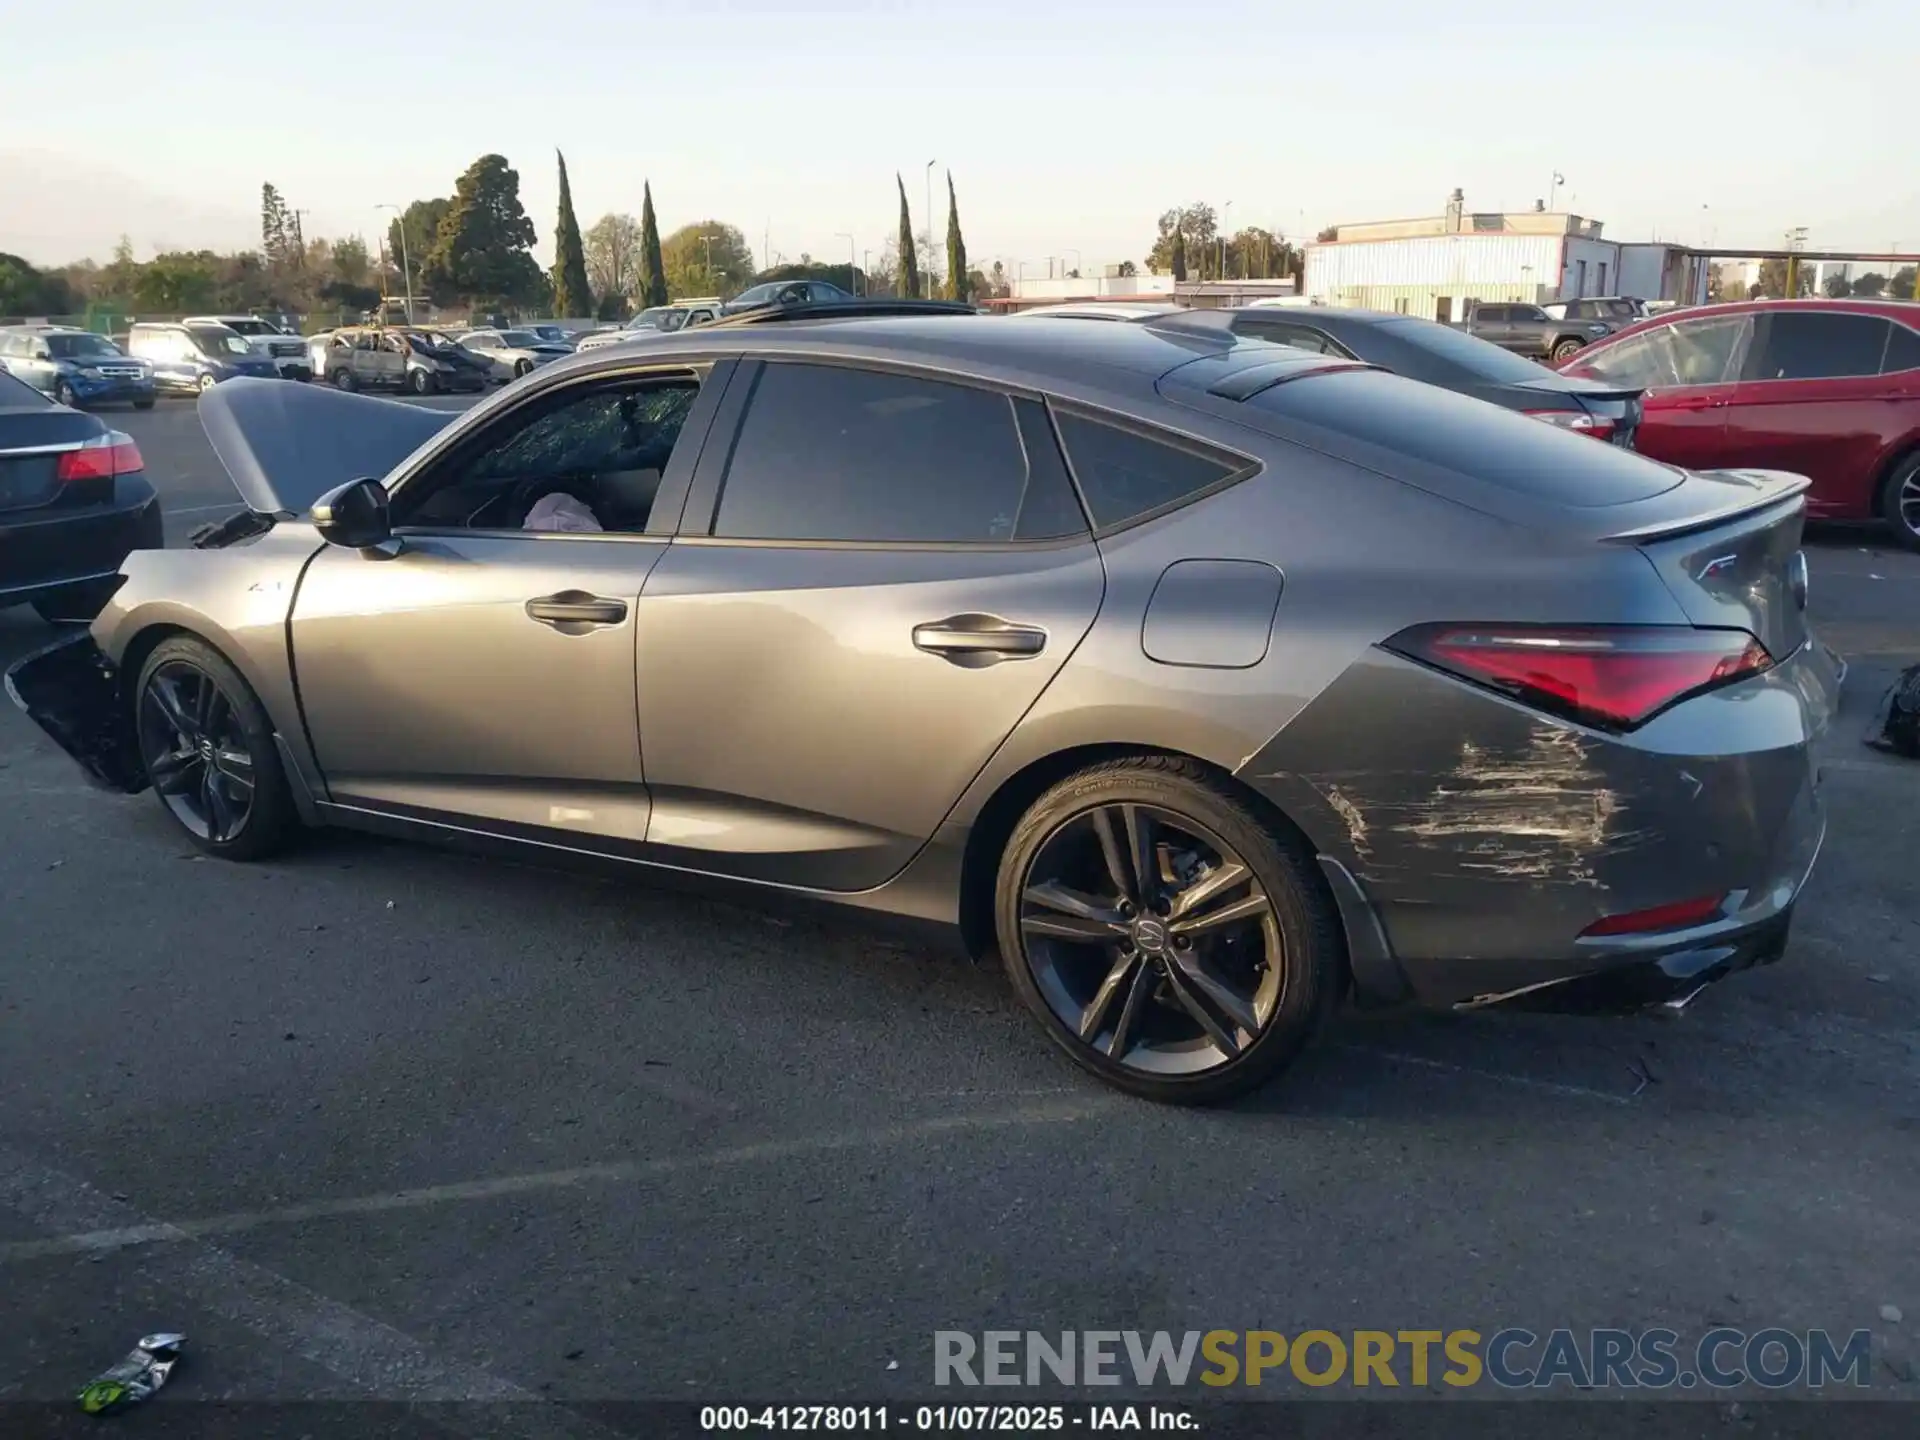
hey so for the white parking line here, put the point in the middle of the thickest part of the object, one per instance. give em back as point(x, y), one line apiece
point(79, 1233)
point(1501, 1077)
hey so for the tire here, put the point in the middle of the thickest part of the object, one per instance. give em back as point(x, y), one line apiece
point(1283, 965)
point(1900, 500)
point(522, 367)
point(76, 604)
point(207, 382)
point(231, 726)
point(1563, 349)
point(143, 404)
point(343, 380)
point(63, 395)
point(421, 383)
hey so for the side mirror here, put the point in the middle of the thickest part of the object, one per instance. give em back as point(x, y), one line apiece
point(354, 515)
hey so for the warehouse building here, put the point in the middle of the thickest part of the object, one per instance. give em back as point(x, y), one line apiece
point(1439, 266)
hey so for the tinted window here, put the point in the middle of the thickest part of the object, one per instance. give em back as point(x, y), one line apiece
point(1819, 345)
point(1124, 475)
point(1490, 314)
point(1527, 312)
point(840, 454)
point(1295, 335)
point(14, 395)
point(1462, 352)
point(1903, 350)
point(1446, 429)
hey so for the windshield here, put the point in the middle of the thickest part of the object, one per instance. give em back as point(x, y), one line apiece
point(759, 294)
point(519, 338)
point(250, 327)
point(660, 317)
point(1619, 309)
point(1481, 358)
point(81, 347)
point(221, 341)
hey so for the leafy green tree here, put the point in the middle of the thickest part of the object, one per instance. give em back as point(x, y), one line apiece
point(708, 257)
point(1176, 257)
point(1870, 284)
point(1837, 286)
point(275, 223)
point(959, 278)
point(1199, 233)
point(483, 249)
point(178, 282)
point(572, 292)
point(25, 290)
point(1902, 285)
point(655, 274)
point(909, 282)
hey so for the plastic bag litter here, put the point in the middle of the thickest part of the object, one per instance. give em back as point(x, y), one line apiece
point(135, 1378)
point(560, 511)
point(1898, 729)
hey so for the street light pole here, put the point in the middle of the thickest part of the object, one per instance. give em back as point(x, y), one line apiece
point(1225, 211)
point(853, 271)
point(406, 265)
point(930, 165)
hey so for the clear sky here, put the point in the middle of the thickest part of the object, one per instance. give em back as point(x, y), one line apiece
point(1068, 125)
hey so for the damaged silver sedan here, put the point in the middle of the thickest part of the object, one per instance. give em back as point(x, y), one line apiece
point(1205, 680)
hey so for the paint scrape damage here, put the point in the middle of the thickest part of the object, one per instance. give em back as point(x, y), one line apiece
point(1542, 812)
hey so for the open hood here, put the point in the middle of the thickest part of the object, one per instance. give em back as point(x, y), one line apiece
point(286, 445)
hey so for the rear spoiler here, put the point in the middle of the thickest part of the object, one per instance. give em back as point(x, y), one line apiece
point(1750, 491)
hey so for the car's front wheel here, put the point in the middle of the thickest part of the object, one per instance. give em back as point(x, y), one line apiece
point(207, 382)
point(1565, 348)
point(1900, 500)
point(208, 748)
point(1168, 937)
point(421, 382)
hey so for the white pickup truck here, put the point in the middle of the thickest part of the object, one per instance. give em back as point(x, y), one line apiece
point(287, 351)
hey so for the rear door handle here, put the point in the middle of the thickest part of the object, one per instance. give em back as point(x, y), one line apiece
point(576, 607)
point(1696, 402)
point(974, 639)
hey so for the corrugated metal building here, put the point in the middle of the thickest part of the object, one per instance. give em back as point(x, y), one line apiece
point(1440, 266)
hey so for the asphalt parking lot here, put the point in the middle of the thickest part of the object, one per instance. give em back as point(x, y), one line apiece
point(375, 1121)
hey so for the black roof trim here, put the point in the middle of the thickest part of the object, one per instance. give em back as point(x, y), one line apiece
point(843, 310)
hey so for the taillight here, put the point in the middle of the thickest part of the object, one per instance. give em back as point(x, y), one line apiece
point(1597, 426)
point(101, 458)
point(1610, 677)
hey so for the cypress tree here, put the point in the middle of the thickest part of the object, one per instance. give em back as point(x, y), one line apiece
point(956, 248)
point(1178, 262)
point(572, 294)
point(653, 284)
point(909, 285)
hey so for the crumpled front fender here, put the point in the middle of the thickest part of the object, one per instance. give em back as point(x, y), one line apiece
point(72, 691)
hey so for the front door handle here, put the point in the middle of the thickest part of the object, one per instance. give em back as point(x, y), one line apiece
point(973, 640)
point(576, 608)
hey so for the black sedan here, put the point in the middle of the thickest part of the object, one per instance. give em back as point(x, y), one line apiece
point(74, 504)
point(1407, 345)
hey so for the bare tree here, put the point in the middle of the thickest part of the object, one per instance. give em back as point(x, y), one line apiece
point(614, 262)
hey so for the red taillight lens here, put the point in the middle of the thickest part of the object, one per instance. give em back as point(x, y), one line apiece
point(1579, 420)
point(1680, 915)
point(101, 458)
point(1611, 677)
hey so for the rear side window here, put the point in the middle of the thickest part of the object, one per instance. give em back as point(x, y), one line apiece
point(1297, 336)
point(17, 395)
point(1124, 474)
point(1903, 351)
point(1490, 314)
point(1819, 345)
point(1468, 437)
point(829, 453)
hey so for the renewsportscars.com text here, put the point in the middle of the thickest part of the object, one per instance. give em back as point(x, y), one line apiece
point(1512, 1359)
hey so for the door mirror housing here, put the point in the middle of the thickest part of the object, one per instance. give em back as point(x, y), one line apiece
point(354, 515)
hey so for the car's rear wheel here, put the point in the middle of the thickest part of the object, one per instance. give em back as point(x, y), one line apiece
point(1900, 500)
point(1562, 349)
point(522, 367)
point(343, 379)
point(1167, 937)
point(209, 750)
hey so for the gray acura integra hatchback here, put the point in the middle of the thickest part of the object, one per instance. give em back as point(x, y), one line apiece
point(1205, 680)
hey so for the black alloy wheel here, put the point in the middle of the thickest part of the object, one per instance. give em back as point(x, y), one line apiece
point(1900, 500)
point(1169, 939)
point(209, 751)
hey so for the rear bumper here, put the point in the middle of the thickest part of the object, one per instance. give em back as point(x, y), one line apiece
point(1485, 841)
point(71, 691)
point(53, 546)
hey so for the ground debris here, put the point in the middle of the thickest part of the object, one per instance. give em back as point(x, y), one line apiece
point(144, 1371)
point(1897, 728)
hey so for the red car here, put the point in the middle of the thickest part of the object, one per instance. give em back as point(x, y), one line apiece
point(1827, 388)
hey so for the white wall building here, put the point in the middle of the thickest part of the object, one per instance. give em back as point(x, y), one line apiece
point(1439, 266)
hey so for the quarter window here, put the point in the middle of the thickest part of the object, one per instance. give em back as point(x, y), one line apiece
point(827, 453)
point(1903, 350)
point(1692, 352)
point(1124, 474)
point(1819, 345)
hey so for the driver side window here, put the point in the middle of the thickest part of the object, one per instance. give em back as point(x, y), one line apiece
point(589, 458)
